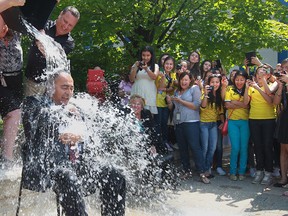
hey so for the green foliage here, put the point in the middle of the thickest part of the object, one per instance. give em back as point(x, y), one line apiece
point(218, 29)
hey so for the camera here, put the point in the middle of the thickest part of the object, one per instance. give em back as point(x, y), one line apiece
point(211, 88)
point(178, 66)
point(277, 74)
point(141, 63)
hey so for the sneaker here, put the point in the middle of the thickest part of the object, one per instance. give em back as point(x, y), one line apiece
point(233, 177)
point(252, 172)
point(241, 177)
point(276, 172)
point(258, 177)
point(267, 178)
point(220, 171)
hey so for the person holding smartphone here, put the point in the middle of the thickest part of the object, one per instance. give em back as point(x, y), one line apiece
point(261, 124)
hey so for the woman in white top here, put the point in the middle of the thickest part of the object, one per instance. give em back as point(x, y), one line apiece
point(143, 74)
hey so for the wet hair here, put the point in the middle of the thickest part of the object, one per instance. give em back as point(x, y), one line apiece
point(169, 58)
point(215, 99)
point(50, 82)
point(239, 73)
point(152, 61)
point(74, 11)
point(182, 75)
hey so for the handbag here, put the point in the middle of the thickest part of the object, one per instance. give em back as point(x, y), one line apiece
point(224, 129)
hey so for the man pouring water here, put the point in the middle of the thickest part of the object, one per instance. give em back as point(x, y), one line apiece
point(59, 30)
point(47, 160)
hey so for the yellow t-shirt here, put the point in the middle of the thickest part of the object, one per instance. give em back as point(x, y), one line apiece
point(161, 95)
point(210, 113)
point(259, 108)
point(239, 113)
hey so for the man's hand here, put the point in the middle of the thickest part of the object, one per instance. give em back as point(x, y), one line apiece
point(69, 138)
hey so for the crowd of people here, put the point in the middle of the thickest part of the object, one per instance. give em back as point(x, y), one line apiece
point(199, 97)
point(194, 98)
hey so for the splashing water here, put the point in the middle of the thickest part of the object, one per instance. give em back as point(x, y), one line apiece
point(113, 139)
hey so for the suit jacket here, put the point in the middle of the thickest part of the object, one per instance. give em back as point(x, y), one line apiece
point(42, 151)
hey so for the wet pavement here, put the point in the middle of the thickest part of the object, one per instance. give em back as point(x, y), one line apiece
point(192, 197)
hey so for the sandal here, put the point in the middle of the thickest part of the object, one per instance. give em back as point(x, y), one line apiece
point(204, 179)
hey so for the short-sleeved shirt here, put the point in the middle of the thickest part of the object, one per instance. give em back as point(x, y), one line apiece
point(259, 107)
point(239, 113)
point(210, 113)
point(161, 95)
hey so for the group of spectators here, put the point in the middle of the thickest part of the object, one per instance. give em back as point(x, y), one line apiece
point(49, 160)
point(199, 97)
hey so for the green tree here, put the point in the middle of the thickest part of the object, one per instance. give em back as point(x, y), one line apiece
point(110, 33)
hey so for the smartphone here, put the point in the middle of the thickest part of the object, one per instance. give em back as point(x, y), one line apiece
point(250, 77)
point(277, 74)
point(248, 56)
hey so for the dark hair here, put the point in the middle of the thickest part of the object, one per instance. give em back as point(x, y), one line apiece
point(152, 61)
point(160, 58)
point(182, 75)
point(195, 70)
point(74, 11)
point(239, 73)
point(215, 99)
point(169, 58)
point(202, 67)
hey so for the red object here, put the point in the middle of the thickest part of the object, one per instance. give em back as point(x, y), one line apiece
point(96, 84)
point(225, 128)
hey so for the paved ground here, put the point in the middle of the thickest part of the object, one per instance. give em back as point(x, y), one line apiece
point(221, 197)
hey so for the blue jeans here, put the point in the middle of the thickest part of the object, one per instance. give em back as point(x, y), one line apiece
point(208, 134)
point(187, 134)
point(238, 131)
point(161, 120)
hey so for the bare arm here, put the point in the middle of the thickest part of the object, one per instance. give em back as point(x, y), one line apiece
point(5, 4)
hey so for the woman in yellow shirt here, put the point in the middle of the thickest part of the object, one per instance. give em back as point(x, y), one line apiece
point(238, 125)
point(211, 108)
point(164, 84)
point(261, 123)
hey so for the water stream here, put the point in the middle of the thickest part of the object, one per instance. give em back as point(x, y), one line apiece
point(114, 139)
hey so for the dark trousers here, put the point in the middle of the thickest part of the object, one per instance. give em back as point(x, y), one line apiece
point(262, 132)
point(71, 189)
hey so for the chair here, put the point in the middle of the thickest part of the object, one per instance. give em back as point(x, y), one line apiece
point(20, 196)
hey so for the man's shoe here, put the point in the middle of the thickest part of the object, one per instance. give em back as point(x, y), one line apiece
point(258, 177)
point(267, 178)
